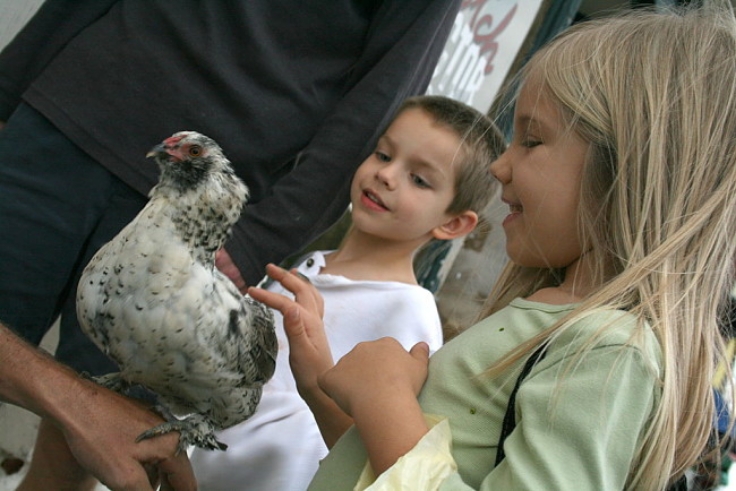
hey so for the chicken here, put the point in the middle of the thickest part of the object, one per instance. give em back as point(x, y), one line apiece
point(153, 301)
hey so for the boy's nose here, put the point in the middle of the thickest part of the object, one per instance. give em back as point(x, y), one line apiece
point(386, 176)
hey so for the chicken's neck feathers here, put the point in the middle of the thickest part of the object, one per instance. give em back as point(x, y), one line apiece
point(201, 217)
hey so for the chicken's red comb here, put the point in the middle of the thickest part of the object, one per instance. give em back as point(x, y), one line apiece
point(173, 140)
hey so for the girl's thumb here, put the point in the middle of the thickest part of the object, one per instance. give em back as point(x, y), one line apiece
point(420, 350)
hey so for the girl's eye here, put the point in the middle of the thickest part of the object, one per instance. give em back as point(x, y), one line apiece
point(419, 181)
point(383, 157)
point(530, 142)
point(195, 151)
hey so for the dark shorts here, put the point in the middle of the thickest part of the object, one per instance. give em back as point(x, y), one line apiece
point(58, 206)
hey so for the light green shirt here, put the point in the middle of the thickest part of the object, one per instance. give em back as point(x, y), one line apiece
point(582, 434)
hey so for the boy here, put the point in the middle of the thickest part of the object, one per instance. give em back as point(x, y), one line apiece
point(428, 178)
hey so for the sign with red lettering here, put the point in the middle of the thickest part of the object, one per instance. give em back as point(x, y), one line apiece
point(483, 43)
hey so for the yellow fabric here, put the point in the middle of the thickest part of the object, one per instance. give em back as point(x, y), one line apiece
point(423, 467)
point(720, 375)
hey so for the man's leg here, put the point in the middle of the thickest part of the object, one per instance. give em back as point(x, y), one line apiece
point(58, 207)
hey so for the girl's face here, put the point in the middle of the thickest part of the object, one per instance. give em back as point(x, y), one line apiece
point(401, 192)
point(540, 173)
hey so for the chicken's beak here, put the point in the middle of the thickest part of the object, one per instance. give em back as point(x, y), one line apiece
point(157, 150)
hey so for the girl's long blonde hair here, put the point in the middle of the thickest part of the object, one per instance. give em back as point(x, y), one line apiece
point(655, 95)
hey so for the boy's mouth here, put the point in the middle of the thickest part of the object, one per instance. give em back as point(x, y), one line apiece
point(372, 200)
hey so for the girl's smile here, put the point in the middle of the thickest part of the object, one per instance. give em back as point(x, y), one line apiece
point(514, 212)
point(541, 174)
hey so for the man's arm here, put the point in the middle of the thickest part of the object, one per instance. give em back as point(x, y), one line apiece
point(54, 25)
point(100, 426)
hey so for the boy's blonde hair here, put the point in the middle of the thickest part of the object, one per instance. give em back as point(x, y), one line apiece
point(655, 95)
point(482, 143)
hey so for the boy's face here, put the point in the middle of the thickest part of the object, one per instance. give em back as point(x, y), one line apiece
point(402, 190)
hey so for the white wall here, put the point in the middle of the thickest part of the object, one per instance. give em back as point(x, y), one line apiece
point(13, 15)
point(17, 427)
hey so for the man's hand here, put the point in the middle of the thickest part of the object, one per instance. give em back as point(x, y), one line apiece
point(90, 429)
point(225, 264)
point(102, 437)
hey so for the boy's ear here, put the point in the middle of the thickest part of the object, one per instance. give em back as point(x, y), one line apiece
point(459, 225)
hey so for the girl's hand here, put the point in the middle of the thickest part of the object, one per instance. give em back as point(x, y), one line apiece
point(375, 369)
point(377, 383)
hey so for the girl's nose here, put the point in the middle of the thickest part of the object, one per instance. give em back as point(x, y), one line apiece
point(501, 168)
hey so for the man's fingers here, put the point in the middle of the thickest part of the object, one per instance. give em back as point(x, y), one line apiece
point(153, 474)
point(176, 474)
point(137, 478)
point(177, 482)
point(225, 264)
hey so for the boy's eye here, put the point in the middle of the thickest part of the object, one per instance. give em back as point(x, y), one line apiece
point(419, 181)
point(383, 157)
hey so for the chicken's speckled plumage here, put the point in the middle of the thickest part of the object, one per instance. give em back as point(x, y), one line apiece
point(153, 300)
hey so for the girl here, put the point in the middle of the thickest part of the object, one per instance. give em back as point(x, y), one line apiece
point(621, 186)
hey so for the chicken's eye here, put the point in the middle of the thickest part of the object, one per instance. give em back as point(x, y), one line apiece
point(195, 151)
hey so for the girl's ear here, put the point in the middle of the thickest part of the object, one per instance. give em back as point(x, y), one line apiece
point(458, 226)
